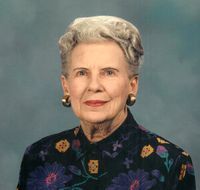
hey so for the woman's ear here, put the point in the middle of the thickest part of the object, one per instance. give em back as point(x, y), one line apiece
point(64, 84)
point(134, 85)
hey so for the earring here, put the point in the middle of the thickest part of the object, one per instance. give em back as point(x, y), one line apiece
point(131, 99)
point(66, 100)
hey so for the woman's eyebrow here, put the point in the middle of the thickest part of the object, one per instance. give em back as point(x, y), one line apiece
point(80, 68)
point(107, 68)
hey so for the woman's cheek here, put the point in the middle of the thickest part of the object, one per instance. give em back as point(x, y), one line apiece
point(75, 86)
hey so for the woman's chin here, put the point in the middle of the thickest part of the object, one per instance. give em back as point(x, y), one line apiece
point(95, 118)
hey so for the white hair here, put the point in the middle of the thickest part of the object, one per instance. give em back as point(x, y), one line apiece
point(103, 28)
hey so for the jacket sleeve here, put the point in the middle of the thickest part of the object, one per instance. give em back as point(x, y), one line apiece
point(23, 171)
point(184, 173)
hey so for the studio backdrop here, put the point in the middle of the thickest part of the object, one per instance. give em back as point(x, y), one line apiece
point(30, 90)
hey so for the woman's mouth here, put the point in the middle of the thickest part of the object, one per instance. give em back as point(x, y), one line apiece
point(95, 103)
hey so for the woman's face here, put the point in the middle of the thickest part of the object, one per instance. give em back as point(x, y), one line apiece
point(98, 81)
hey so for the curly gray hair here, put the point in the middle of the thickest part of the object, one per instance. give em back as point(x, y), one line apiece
point(103, 28)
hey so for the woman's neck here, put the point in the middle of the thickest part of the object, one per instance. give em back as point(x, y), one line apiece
point(98, 131)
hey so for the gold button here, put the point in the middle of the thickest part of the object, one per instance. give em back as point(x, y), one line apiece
point(93, 166)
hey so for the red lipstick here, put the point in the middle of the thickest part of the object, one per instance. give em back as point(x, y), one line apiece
point(95, 103)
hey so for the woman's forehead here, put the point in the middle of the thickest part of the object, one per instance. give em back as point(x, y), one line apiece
point(106, 53)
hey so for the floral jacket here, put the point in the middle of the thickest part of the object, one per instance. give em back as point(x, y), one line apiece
point(131, 158)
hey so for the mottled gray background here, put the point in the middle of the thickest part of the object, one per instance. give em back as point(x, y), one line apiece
point(168, 100)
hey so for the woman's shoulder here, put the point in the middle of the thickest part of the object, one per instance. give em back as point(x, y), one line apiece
point(155, 147)
point(47, 142)
point(175, 162)
point(160, 144)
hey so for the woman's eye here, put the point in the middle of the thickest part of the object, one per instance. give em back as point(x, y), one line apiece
point(81, 73)
point(110, 72)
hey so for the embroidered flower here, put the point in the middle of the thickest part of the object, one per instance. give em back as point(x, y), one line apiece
point(162, 151)
point(49, 177)
point(158, 175)
point(182, 172)
point(42, 154)
point(116, 145)
point(62, 145)
point(146, 151)
point(127, 162)
point(162, 141)
point(76, 144)
point(190, 168)
point(138, 180)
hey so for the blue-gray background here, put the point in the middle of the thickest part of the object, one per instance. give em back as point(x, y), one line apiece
point(168, 100)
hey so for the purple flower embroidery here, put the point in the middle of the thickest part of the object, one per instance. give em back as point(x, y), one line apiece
point(76, 144)
point(162, 151)
point(49, 177)
point(42, 154)
point(190, 169)
point(157, 174)
point(138, 180)
point(127, 162)
point(116, 145)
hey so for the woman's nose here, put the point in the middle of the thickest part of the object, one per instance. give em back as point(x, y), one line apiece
point(95, 84)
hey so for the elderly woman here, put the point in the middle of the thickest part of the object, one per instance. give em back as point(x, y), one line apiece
point(109, 150)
